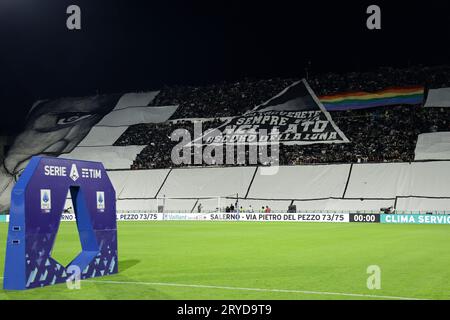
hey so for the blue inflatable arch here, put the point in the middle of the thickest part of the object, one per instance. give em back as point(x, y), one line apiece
point(37, 203)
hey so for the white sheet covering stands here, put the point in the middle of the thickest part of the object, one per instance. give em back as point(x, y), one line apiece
point(146, 205)
point(383, 180)
point(102, 136)
point(135, 99)
point(118, 179)
point(207, 182)
point(151, 205)
point(111, 157)
point(343, 205)
point(178, 205)
point(301, 182)
point(438, 98)
point(137, 183)
point(430, 179)
point(433, 146)
point(423, 205)
point(389, 180)
point(135, 115)
point(212, 204)
point(377, 184)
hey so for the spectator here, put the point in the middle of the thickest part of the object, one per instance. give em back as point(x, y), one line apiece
point(382, 134)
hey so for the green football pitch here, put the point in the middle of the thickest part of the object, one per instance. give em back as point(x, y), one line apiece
point(272, 260)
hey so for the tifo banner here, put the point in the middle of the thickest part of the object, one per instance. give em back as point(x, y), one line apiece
point(363, 100)
point(433, 146)
point(294, 116)
point(415, 218)
point(56, 127)
point(73, 126)
point(438, 98)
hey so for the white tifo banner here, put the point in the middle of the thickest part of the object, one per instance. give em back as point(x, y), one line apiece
point(298, 217)
point(438, 98)
point(433, 146)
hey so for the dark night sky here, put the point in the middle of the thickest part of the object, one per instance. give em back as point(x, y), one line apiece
point(128, 45)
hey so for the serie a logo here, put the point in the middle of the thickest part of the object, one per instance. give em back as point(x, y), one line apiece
point(100, 201)
point(46, 200)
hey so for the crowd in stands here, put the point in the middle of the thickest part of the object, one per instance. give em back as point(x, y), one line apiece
point(382, 134)
point(156, 137)
point(332, 83)
point(231, 99)
point(219, 100)
point(387, 134)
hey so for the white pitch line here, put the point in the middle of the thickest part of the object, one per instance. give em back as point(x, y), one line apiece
point(253, 289)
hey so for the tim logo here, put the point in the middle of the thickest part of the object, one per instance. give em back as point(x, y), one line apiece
point(46, 200)
point(100, 200)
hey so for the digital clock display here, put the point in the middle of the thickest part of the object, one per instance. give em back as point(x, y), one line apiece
point(364, 217)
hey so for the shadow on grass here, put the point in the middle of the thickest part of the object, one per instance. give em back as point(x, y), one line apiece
point(127, 264)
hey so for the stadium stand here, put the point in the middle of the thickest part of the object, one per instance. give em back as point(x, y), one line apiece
point(301, 182)
point(428, 179)
point(433, 146)
point(207, 182)
point(377, 169)
point(343, 205)
point(423, 205)
point(151, 205)
point(133, 115)
point(102, 136)
point(226, 100)
point(141, 184)
point(378, 180)
point(137, 205)
point(135, 99)
point(219, 100)
point(410, 187)
point(111, 157)
point(131, 109)
point(382, 134)
point(385, 134)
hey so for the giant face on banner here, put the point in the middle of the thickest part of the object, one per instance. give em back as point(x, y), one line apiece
point(37, 203)
point(53, 127)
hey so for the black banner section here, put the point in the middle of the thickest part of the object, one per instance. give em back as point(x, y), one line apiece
point(294, 116)
point(365, 217)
